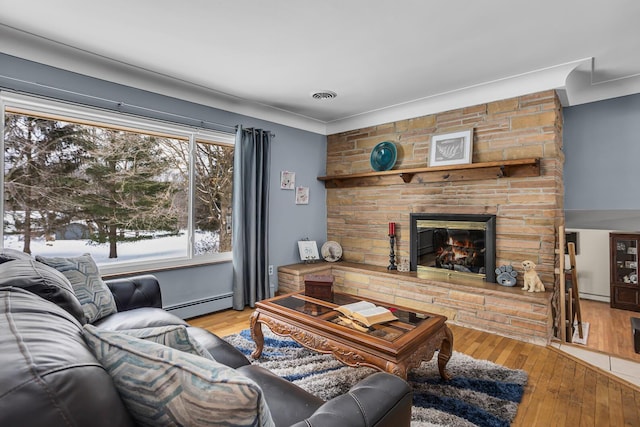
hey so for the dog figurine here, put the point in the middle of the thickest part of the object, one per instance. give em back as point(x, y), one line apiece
point(532, 282)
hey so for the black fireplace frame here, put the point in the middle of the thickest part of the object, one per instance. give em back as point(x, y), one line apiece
point(490, 238)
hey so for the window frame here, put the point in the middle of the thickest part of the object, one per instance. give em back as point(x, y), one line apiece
point(58, 110)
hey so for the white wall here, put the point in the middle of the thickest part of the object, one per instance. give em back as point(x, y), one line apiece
point(592, 263)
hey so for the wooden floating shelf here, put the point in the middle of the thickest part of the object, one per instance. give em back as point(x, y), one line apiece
point(474, 171)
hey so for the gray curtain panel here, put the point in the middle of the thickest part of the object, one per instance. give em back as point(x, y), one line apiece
point(251, 217)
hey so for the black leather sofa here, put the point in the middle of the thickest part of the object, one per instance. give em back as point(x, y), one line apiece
point(49, 377)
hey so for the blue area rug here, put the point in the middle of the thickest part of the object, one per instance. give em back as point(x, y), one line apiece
point(480, 393)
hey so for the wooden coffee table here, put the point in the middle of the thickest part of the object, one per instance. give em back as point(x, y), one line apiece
point(394, 347)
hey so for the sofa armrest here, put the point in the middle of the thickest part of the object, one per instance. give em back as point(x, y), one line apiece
point(380, 400)
point(136, 292)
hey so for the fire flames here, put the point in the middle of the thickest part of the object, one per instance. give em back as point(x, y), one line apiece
point(460, 253)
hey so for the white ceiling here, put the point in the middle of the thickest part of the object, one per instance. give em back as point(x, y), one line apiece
point(387, 60)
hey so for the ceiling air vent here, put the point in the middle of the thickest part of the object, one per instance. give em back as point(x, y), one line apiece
point(324, 94)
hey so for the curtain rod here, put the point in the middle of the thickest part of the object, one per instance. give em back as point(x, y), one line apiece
point(119, 105)
point(273, 135)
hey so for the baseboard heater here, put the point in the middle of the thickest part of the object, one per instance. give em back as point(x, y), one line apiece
point(201, 306)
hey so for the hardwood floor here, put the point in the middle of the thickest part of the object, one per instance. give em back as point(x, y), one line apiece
point(561, 391)
point(609, 329)
point(223, 323)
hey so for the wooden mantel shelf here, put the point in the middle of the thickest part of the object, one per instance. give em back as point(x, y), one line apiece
point(473, 171)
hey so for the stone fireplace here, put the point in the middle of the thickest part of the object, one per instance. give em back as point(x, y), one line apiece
point(527, 211)
point(453, 245)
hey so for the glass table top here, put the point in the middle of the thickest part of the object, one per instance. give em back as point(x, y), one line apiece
point(324, 310)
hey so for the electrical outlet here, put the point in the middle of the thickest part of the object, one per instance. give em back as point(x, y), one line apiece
point(271, 270)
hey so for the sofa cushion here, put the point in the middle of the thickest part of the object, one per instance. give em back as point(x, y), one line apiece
point(146, 317)
point(82, 271)
point(298, 404)
point(221, 350)
point(48, 375)
point(43, 281)
point(162, 386)
point(174, 336)
point(7, 254)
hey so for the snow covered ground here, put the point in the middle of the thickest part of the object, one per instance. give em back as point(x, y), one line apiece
point(158, 248)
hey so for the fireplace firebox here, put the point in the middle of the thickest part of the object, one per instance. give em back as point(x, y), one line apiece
point(454, 244)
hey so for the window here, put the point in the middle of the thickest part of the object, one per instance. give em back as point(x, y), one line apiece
point(132, 192)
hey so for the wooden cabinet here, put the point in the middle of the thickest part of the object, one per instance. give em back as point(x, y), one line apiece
point(625, 292)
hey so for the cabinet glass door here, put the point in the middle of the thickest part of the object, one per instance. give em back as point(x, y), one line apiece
point(626, 261)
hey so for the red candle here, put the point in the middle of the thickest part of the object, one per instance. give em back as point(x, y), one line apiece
point(392, 229)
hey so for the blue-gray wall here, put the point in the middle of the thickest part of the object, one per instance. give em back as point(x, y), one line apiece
point(602, 164)
point(198, 290)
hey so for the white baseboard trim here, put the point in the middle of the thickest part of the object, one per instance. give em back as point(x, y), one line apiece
point(595, 297)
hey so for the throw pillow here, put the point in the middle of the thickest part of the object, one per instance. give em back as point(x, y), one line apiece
point(162, 386)
point(44, 281)
point(7, 254)
point(174, 336)
point(94, 295)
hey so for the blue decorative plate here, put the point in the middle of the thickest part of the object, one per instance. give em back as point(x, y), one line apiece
point(383, 156)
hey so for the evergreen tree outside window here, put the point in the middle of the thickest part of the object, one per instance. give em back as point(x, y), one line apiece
point(126, 194)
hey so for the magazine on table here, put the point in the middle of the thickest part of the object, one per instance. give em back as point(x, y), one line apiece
point(366, 313)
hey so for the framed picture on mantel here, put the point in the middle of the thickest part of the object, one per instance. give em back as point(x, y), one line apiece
point(308, 250)
point(451, 148)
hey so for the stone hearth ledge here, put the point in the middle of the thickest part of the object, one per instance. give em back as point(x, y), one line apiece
point(506, 311)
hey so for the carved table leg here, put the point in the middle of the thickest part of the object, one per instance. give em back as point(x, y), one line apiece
point(399, 370)
point(444, 354)
point(256, 334)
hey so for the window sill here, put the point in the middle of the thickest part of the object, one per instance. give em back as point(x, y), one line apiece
point(128, 269)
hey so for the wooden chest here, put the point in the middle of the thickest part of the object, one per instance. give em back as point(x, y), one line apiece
point(318, 286)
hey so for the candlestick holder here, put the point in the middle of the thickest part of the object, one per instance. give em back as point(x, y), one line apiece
point(392, 254)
